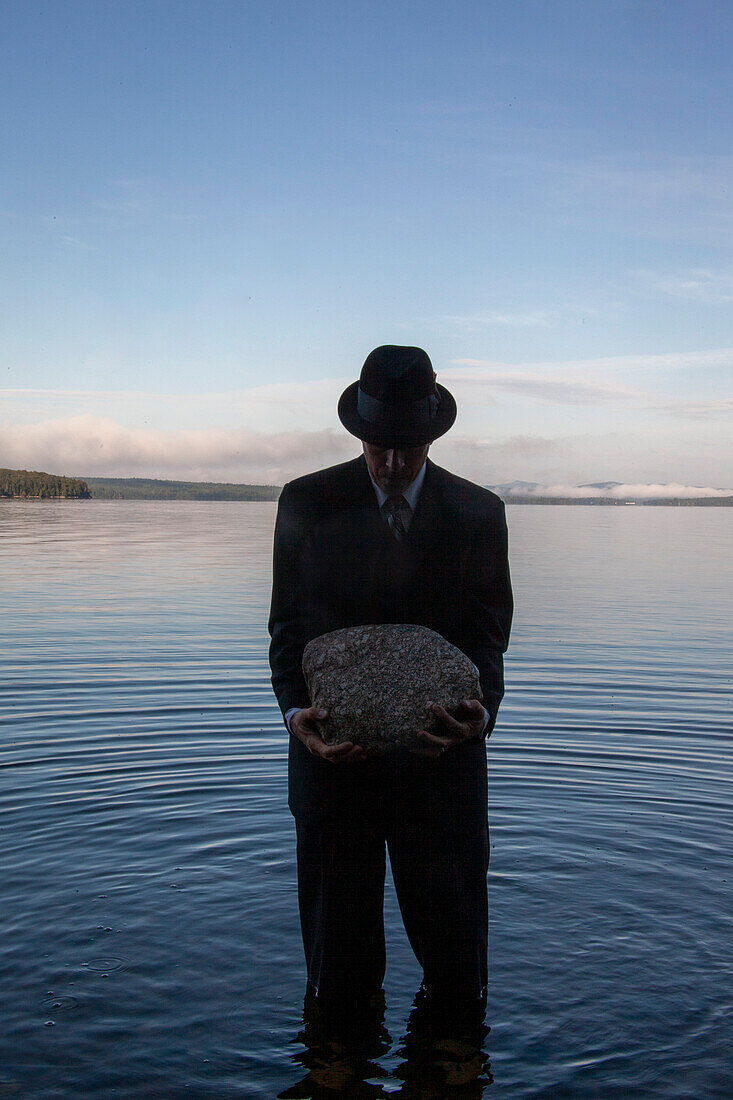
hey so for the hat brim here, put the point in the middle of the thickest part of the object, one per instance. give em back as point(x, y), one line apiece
point(381, 436)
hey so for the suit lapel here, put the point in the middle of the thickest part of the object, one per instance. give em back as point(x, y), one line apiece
point(358, 488)
point(363, 504)
point(427, 520)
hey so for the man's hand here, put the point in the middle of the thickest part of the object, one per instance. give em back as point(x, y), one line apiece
point(466, 726)
point(303, 726)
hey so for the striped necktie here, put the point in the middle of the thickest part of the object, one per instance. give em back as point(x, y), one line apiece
point(398, 513)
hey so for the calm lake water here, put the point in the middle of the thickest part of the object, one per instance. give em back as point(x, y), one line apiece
point(151, 945)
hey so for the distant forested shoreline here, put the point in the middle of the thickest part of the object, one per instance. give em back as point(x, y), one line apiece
point(148, 488)
point(37, 485)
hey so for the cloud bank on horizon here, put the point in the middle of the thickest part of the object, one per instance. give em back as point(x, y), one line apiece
point(92, 446)
point(614, 491)
point(104, 448)
point(89, 445)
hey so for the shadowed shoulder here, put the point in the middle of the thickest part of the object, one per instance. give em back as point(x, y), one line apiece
point(335, 487)
point(463, 497)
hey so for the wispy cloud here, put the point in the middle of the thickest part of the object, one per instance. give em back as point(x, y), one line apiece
point(75, 242)
point(608, 381)
point(695, 410)
point(652, 179)
point(677, 198)
point(465, 448)
point(537, 318)
point(261, 409)
point(126, 206)
point(714, 357)
point(697, 284)
point(557, 389)
point(587, 382)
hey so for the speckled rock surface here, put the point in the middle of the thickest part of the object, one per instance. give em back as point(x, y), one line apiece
point(376, 682)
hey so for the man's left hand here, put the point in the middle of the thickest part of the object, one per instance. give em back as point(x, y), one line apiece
point(467, 725)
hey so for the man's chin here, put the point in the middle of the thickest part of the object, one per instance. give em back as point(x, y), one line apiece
point(395, 488)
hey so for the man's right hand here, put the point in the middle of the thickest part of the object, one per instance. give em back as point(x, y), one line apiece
point(303, 726)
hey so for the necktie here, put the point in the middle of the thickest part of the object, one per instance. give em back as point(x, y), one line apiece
point(397, 511)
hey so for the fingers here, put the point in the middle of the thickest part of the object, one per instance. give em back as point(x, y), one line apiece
point(307, 718)
point(448, 720)
point(342, 752)
point(473, 708)
point(471, 723)
point(304, 725)
point(311, 714)
point(453, 731)
point(431, 745)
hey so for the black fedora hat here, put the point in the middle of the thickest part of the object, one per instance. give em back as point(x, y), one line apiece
point(397, 402)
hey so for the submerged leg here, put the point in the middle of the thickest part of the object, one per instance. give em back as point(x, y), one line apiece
point(341, 871)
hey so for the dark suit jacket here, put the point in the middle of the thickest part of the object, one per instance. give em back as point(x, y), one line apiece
point(337, 564)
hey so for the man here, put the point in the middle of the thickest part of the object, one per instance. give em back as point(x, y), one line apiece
point(391, 538)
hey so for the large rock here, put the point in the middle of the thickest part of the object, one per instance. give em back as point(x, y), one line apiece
point(376, 682)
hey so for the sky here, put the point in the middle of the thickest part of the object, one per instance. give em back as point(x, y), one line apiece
point(211, 212)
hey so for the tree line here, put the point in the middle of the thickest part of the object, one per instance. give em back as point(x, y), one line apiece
point(148, 488)
point(39, 485)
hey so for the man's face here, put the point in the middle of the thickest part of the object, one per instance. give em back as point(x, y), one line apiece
point(394, 469)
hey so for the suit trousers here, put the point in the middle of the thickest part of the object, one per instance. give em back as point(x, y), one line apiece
point(439, 855)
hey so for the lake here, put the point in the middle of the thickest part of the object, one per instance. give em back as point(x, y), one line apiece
point(151, 943)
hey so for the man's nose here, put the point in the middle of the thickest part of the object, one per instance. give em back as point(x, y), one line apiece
point(394, 461)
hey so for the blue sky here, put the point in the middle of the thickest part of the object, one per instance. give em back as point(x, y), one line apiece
point(211, 212)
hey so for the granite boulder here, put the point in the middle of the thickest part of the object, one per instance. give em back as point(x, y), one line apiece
point(377, 681)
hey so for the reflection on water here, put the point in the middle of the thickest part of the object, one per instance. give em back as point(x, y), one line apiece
point(151, 944)
point(434, 1058)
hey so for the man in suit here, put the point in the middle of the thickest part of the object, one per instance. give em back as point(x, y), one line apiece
point(392, 538)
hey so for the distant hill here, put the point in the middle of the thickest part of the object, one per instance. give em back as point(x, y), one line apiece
point(148, 488)
point(36, 485)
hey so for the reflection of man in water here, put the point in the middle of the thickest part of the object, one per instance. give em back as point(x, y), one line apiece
point(390, 537)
